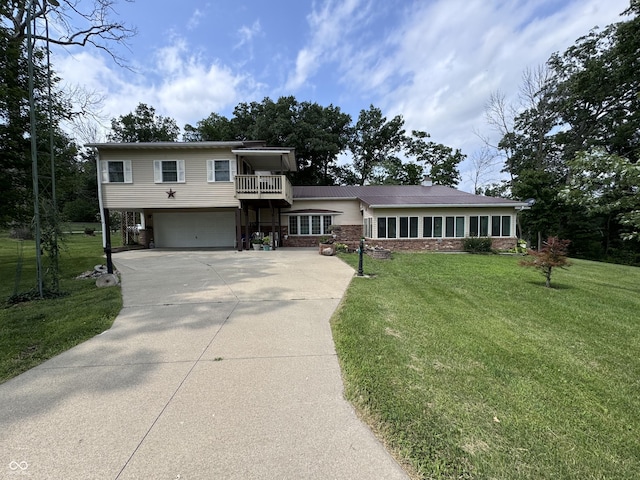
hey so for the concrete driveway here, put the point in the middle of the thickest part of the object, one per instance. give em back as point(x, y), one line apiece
point(220, 365)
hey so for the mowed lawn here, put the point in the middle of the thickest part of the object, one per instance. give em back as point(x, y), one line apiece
point(469, 367)
point(31, 332)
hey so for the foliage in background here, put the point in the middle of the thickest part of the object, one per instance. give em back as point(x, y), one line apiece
point(572, 143)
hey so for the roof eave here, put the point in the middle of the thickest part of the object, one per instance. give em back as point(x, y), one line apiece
point(449, 205)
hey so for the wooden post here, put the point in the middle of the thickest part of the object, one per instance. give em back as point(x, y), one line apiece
point(239, 229)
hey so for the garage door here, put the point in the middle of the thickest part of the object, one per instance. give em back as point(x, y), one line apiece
point(175, 230)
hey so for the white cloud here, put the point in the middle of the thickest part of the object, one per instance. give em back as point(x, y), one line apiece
point(439, 67)
point(328, 26)
point(247, 33)
point(194, 21)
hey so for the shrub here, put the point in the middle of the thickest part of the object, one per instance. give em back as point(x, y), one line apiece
point(552, 254)
point(477, 245)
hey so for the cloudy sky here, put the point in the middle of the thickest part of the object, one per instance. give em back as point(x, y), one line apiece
point(436, 62)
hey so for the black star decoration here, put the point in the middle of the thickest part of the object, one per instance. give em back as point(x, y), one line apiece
point(171, 194)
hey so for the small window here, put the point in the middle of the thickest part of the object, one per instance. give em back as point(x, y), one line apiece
point(315, 225)
point(427, 227)
point(304, 225)
point(221, 170)
point(168, 171)
point(437, 227)
point(495, 225)
point(382, 227)
point(413, 227)
point(116, 171)
point(506, 226)
point(293, 225)
point(450, 226)
point(391, 227)
point(459, 227)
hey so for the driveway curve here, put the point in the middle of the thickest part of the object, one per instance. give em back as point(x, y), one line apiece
point(220, 365)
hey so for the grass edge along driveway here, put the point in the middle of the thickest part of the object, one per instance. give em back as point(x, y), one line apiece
point(469, 368)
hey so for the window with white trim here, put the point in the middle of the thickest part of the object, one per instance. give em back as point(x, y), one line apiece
point(500, 226)
point(432, 227)
point(479, 226)
point(310, 224)
point(367, 228)
point(454, 227)
point(408, 227)
point(221, 170)
point(387, 227)
point(116, 171)
point(168, 171)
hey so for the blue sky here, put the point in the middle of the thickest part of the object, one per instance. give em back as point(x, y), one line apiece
point(436, 62)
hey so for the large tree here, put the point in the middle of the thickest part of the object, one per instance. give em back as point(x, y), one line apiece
point(580, 117)
point(374, 141)
point(442, 161)
point(143, 125)
point(72, 23)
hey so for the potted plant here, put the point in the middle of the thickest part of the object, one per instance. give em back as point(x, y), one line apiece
point(257, 243)
point(326, 246)
point(266, 243)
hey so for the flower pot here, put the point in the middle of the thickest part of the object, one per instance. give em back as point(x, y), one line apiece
point(266, 248)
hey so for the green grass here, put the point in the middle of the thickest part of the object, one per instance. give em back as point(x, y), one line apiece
point(470, 368)
point(34, 331)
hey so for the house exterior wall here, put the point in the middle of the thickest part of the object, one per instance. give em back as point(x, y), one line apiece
point(350, 209)
point(195, 192)
point(350, 233)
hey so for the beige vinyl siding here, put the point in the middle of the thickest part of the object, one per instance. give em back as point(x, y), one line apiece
point(350, 209)
point(195, 192)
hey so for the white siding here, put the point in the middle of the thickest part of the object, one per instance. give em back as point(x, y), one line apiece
point(350, 209)
point(144, 193)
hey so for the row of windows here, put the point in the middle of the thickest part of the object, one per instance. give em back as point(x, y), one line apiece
point(438, 227)
point(167, 171)
point(310, 224)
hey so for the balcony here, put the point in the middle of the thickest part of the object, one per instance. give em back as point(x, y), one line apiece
point(264, 187)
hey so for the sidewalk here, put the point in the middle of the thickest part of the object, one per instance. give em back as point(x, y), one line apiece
point(220, 365)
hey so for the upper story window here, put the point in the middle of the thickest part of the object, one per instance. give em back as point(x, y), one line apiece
point(118, 171)
point(168, 171)
point(221, 170)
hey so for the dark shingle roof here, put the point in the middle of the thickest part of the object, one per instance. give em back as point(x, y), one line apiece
point(402, 195)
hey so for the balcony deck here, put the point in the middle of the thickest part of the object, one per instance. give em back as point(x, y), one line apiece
point(264, 187)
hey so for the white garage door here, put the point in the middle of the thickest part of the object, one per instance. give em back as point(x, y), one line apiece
point(207, 229)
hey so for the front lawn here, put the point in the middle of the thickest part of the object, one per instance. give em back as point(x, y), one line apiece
point(31, 332)
point(470, 368)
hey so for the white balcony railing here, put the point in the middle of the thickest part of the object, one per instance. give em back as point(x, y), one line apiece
point(268, 187)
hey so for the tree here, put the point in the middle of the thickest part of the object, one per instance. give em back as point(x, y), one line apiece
point(318, 134)
point(211, 129)
point(374, 140)
point(442, 160)
point(608, 185)
point(553, 254)
point(73, 23)
point(143, 125)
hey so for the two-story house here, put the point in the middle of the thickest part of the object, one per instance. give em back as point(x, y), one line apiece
point(219, 194)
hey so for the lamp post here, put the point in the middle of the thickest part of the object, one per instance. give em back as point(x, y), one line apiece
point(31, 20)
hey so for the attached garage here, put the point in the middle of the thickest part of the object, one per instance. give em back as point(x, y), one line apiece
point(194, 229)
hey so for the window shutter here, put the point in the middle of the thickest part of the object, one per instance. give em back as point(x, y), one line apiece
point(128, 174)
point(180, 168)
point(157, 171)
point(210, 171)
point(104, 171)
